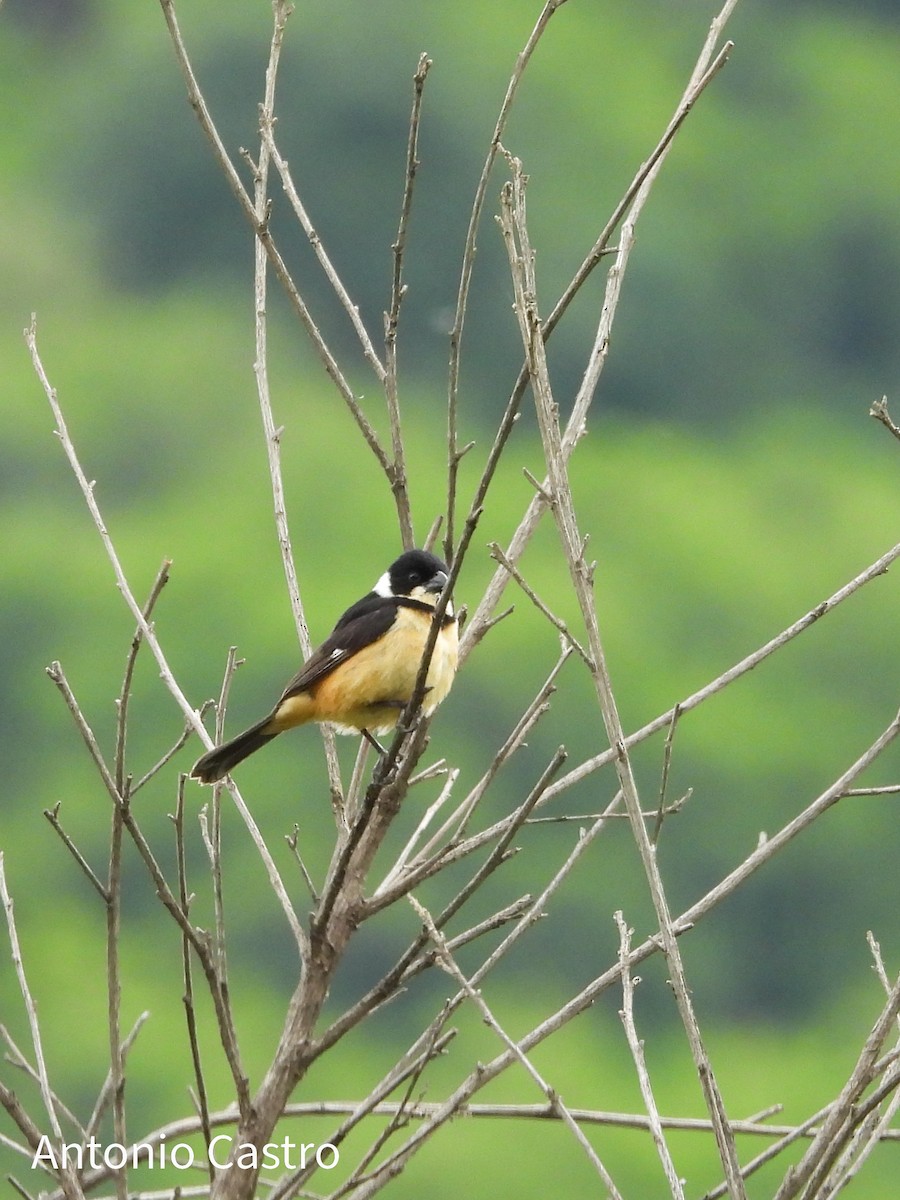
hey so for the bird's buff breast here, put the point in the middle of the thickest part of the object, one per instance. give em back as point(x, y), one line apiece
point(371, 691)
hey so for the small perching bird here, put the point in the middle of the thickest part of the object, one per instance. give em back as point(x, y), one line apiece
point(363, 675)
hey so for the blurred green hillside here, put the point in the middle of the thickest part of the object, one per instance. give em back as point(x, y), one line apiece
point(731, 480)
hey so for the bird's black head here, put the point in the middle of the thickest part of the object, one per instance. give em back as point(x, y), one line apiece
point(412, 571)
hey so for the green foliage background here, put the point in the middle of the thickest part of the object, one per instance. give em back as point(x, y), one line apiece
point(731, 481)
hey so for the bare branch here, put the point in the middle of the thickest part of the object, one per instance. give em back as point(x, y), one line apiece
point(403, 857)
point(17, 1187)
point(534, 711)
point(400, 1115)
point(423, 1110)
point(409, 962)
point(114, 885)
point(421, 869)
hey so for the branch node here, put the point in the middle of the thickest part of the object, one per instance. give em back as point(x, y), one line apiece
point(879, 411)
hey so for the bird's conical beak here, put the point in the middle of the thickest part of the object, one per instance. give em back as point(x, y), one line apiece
point(436, 582)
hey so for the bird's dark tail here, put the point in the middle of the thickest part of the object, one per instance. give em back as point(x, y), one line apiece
point(218, 762)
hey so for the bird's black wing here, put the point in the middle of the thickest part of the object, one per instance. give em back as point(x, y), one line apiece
point(361, 625)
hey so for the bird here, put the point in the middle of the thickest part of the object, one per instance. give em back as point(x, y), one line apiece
point(363, 675)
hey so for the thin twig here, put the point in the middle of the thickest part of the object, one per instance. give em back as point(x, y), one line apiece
point(425, 1048)
point(434, 770)
point(162, 578)
point(399, 483)
point(166, 758)
point(636, 1046)
point(52, 815)
point(399, 1118)
point(510, 912)
point(105, 1094)
point(499, 853)
point(187, 974)
point(293, 841)
point(878, 961)
point(557, 622)
point(113, 975)
point(16, 1058)
point(433, 809)
point(788, 1137)
point(421, 869)
point(23, 1122)
point(328, 267)
point(355, 787)
point(211, 826)
point(582, 818)
point(860, 1147)
point(66, 1174)
point(664, 781)
point(454, 455)
point(30, 1009)
point(17, 1187)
